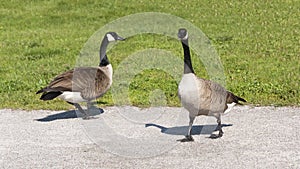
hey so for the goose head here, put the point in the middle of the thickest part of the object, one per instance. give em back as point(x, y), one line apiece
point(108, 37)
point(182, 34)
point(113, 36)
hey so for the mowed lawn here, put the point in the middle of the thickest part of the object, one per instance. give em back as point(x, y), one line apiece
point(258, 43)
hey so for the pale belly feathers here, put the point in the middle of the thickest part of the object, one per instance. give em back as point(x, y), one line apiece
point(188, 93)
point(199, 98)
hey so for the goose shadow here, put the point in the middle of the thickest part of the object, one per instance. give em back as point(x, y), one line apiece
point(182, 130)
point(69, 115)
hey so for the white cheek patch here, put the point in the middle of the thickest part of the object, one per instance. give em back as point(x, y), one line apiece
point(186, 36)
point(110, 38)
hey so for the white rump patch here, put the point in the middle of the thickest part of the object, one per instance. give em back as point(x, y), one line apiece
point(110, 38)
point(230, 106)
point(73, 97)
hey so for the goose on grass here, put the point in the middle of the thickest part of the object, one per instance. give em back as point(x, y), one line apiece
point(200, 96)
point(83, 84)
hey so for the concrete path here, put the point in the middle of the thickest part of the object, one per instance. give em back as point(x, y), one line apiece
point(129, 137)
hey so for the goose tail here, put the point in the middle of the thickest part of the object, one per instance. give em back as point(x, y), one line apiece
point(233, 98)
point(241, 99)
point(40, 91)
point(48, 95)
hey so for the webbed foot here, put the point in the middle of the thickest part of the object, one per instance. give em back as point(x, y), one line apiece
point(215, 136)
point(89, 117)
point(186, 139)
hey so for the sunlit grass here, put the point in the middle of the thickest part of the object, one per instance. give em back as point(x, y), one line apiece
point(258, 43)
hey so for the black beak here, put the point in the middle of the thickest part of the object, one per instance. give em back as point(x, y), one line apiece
point(120, 38)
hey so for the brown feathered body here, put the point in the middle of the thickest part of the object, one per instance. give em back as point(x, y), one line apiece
point(204, 97)
point(79, 84)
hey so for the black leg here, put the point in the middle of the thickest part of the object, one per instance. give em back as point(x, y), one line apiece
point(219, 128)
point(189, 137)
point(85, 114)
point(90, 105)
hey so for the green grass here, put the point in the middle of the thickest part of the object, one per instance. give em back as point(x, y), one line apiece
point(258, 42)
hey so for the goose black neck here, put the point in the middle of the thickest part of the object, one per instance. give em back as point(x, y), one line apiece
point(188, 68)
point(103, 58)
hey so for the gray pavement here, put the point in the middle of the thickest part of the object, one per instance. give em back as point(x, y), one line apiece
point(129, 137)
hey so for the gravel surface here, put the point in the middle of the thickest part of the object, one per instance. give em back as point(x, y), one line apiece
point(129, 137)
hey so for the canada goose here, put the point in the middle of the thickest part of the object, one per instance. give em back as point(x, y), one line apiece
point(200, 96)
point(83, 84)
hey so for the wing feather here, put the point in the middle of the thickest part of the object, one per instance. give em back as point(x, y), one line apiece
point(91, 82)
